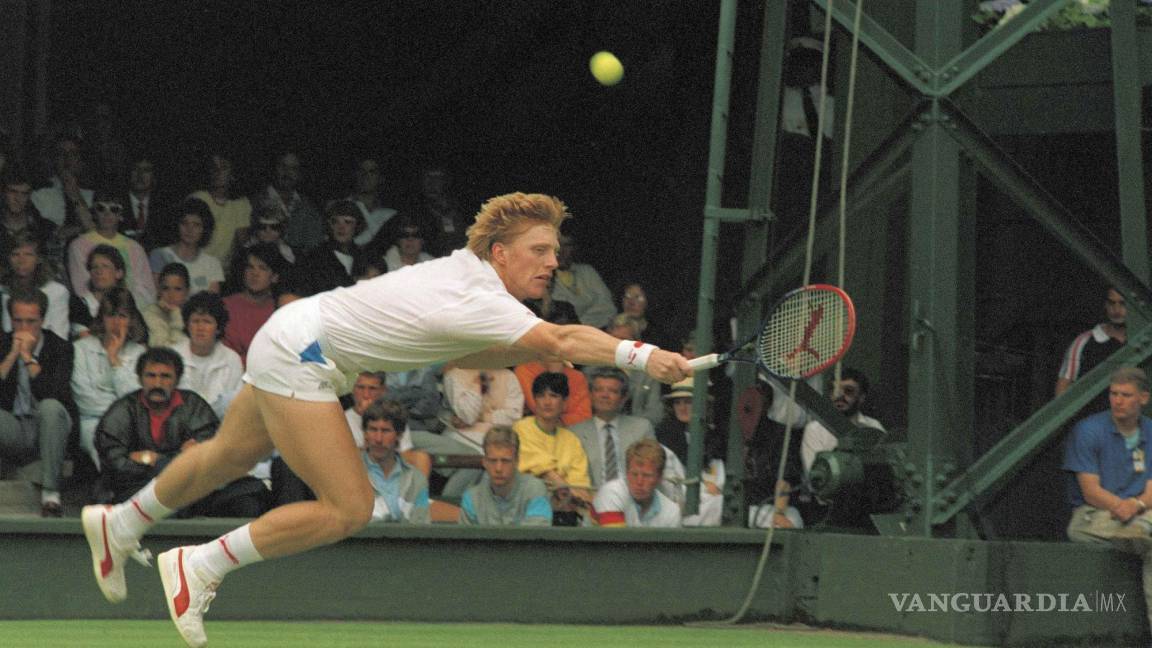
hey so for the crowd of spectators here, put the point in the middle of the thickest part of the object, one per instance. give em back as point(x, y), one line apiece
point(129, 304)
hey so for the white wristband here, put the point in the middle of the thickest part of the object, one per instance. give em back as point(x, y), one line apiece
point(632, 355)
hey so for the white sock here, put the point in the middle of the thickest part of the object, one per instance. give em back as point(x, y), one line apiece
point(231, 551)
point(49, 496)
point(134, 517)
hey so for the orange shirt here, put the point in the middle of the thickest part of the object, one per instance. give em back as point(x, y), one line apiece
point(579, 404)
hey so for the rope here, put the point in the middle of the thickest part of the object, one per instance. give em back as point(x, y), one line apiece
point(777, 491)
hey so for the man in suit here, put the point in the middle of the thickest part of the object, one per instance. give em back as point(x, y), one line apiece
point(608, 433)
point(36, 394)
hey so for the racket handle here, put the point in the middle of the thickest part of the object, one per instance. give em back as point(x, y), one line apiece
point(705, 362)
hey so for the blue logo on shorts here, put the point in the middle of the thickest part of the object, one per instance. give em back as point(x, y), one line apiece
point(313, 354)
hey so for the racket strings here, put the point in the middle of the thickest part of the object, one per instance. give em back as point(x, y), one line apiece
point(805, 333)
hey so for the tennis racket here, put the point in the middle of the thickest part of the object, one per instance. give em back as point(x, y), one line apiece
point(808, 330)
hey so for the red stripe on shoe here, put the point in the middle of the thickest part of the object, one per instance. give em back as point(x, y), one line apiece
point(228, 552)
point(139, 510)
point(180, 601)
point(106, 564)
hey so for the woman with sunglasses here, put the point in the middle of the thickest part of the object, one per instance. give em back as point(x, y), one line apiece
point(194, 228)
point(26, 269)
point(107, 210)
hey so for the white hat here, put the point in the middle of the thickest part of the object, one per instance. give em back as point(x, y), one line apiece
point(682, 389)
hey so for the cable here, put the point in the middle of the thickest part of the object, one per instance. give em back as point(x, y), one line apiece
point(812, 205)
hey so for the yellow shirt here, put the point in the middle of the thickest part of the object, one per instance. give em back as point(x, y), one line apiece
point(561, 451)
point(231, 216)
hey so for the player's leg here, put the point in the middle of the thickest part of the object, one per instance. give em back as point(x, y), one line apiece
point(314, 440)
point(114, 532)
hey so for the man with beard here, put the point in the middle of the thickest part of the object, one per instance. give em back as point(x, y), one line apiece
point(145, 430)
point(848, 396)
point(1091, 347)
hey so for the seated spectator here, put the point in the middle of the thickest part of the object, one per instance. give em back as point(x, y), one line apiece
point(211, 369)
point(634, 306)
point(444, 222)
point(229, 213)
point(254, 304)
point(643, 390)
point(105, 366)
point(401, 490)
point(137, 273)
point(552, 452)
point(36, 408)
point(634, 499)
point(267, 227)
point(580, 285)
point(145, 429)
point(672, 433)
point(19, 216)
point(479, 399)
point(369, 387)
point(577, 400)
point(367, 196)
point(163, 317)
point(848, 397)
point(304, 227)
point(609, 431)
point(505, 496)
point(409, 247)
point(142, 203)
point(25, 270)
point(65, 202)
point(337, 260)
point(1091, 347)
point(194, 227)
point(105, 272)
point(1109, 460)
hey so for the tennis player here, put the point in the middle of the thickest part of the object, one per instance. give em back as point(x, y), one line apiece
point(465, 308)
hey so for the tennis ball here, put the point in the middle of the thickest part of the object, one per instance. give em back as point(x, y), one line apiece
point(606, 68)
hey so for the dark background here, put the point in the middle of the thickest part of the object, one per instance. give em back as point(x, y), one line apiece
point(498, 92)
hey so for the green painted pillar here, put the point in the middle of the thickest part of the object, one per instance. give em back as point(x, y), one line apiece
point(941, 286)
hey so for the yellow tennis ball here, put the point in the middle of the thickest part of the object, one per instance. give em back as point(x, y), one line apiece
point(606, 68)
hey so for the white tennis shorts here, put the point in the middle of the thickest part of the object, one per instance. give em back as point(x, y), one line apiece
point(287, 355)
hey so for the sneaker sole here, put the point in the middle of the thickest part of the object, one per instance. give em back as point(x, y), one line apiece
point(93, 519)
point(167, 562)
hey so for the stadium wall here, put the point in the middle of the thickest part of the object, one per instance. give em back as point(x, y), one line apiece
point(618, 576)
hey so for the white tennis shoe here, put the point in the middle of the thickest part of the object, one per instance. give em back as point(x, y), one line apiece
point(108, 553)
point(187, 595)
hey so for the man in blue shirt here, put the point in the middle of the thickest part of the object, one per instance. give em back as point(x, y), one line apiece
point(1109, 454)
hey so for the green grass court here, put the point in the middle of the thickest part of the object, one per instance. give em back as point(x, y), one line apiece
point(288, 634)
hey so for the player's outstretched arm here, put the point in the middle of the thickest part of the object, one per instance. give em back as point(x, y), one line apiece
point(587, 345)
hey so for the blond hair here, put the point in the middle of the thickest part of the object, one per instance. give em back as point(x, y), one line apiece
point(504, 217)
point(646, 449)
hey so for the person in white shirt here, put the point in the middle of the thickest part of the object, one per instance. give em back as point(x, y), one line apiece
point(211, 369)
point(635, 500)
point(465, 308)
point(847, 396)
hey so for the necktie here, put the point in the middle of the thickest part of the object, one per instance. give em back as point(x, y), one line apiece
point(141, 216)
point(610, 469)
point(23, 405)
